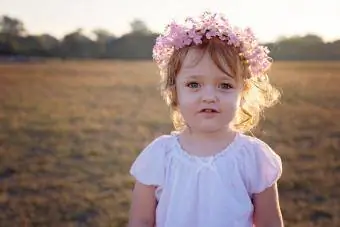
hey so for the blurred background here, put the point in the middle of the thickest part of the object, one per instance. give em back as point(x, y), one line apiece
point(79, 100)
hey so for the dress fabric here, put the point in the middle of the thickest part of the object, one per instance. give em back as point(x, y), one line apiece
point(213, 191)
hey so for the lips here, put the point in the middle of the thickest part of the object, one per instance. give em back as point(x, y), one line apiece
point(209, 110)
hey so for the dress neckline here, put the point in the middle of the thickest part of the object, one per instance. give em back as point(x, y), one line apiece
point(209, 158)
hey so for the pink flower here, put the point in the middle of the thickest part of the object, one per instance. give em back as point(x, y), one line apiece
point(210, 25)
point(211, 33)
point(197, 39)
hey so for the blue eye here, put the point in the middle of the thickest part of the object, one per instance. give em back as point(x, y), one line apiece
point(226, 86)
point(193, 85)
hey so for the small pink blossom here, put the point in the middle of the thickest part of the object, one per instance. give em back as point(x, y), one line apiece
point(210, 25)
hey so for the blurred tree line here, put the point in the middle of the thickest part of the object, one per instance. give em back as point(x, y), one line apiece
point(15, 41)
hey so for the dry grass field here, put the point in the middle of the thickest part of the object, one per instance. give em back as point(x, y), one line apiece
point(69, 132)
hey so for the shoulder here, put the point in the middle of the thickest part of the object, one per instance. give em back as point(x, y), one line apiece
point(162, 139)
point(261, 165)
point(150, 163)
point(256, 148)
point(252, 141)
point(157, 147)
point(159, 144)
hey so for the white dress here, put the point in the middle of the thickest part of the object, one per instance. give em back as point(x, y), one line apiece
point(214, 191)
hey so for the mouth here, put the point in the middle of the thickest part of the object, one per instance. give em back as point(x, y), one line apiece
point(209, 110)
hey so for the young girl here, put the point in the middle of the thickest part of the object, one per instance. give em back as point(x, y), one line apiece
point(209, 173)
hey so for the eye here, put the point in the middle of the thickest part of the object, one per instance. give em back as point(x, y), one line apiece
point(193, 85)
point(226, 85)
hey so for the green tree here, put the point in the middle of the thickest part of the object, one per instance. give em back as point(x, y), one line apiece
point(103, 36)
point(139, 26)
point(103, 40)
point(76, 44)
point(11, 26)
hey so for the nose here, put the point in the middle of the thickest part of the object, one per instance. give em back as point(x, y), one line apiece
point(209, 94)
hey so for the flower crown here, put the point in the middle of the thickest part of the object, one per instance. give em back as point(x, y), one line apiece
point(210, 25)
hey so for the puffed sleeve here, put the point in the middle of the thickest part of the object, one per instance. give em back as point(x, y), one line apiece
point(263, 166)
point(149, 166)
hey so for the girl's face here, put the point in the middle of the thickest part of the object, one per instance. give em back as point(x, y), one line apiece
point(207, 97)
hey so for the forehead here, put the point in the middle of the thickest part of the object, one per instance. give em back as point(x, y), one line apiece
point(197, 62)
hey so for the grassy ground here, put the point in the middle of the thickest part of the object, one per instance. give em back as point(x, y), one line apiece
point(69, 132)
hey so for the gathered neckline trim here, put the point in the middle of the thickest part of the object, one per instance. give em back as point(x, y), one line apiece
point(232, 145)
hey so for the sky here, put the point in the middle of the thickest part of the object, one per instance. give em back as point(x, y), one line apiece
point(269, 19)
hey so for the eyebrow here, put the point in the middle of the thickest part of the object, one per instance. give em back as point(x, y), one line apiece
point(187, 71)
point(197, 76)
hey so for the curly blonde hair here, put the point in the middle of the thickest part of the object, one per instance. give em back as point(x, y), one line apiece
point(257, 93)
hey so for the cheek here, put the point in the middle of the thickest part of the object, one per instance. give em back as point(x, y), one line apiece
point(231, 100)
point(185, 97)
point(187, 103)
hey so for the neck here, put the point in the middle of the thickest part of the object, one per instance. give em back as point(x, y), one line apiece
point(211, 136)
